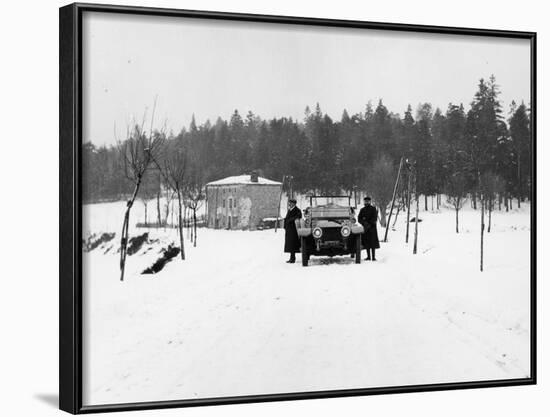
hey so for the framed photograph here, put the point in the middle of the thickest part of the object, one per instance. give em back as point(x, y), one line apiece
point(261, 208)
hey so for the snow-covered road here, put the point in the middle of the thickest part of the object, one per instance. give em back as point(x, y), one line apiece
point(235, 319)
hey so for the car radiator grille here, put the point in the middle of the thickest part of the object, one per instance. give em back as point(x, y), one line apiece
point(331, 233)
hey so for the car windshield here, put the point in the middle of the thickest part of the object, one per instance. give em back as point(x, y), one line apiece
point(344, 201)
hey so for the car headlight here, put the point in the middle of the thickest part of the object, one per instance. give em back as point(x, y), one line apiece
point(345, 230)
point(317, 232)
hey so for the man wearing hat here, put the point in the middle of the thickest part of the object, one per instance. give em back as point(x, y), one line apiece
point(368, 217)
point(292, 241)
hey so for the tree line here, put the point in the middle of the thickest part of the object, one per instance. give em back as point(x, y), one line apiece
point(455, 151)
point(479, 153)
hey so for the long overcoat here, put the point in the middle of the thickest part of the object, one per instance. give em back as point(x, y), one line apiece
point(292, 241)
point(368, 217)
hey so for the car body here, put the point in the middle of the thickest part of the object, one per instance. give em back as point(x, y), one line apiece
point(329, 229)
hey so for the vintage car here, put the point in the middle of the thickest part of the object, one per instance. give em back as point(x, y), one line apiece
point(329, 229)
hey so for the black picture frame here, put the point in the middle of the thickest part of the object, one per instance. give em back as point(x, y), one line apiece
point(70, 204)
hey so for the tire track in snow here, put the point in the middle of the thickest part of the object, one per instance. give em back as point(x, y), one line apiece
point(492, 353)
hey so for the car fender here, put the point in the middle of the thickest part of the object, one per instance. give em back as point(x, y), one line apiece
point(304, 231)
point(357, 228)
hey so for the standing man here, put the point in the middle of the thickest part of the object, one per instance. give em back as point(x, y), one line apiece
point(368, 217)
point(292, 241)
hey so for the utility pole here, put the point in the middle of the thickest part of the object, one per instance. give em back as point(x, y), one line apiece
point(393, 198)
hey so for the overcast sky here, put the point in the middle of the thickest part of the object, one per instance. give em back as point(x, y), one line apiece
point(209, 68)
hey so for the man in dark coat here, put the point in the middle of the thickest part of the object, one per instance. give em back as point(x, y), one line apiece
point(368, 217)
point(292, 241)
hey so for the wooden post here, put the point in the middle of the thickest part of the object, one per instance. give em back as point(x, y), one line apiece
point(393, 199)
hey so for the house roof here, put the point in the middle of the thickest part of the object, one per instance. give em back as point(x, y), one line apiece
point(243, 180)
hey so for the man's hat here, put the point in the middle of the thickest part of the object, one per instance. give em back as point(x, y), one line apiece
point(292, 200)
point(367, 198)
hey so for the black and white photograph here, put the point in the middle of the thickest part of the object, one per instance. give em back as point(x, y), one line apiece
point(273, 208)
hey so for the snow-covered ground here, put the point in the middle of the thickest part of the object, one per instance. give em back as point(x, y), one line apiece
point(235, 319)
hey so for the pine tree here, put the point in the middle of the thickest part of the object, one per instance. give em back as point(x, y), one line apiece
point(438, 152)
point(423, 153)
point(520, 143)
point(408, 132)
point(382, 139)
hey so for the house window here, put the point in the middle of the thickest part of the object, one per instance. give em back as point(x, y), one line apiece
point(223, 203)
point(230, 203)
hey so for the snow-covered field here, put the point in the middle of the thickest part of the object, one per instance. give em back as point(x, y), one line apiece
point(235, 319)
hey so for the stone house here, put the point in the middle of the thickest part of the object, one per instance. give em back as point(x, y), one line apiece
point(241, 202)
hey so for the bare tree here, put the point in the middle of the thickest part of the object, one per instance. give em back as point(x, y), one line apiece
point(456, 190)
point(196, 191)
point(416, 219)
point(145, 201)
point(173, 168)
point(186, 219)
point(159, 191)
point(169, 197)
point(380, 181)
point(150, 188)
point(493, 186)
point(482, 232)
point(481, 185)
point(489, 185)
point(137, 151)
point(196, 195)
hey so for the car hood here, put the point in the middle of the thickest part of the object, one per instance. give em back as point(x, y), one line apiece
point(328, 223)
